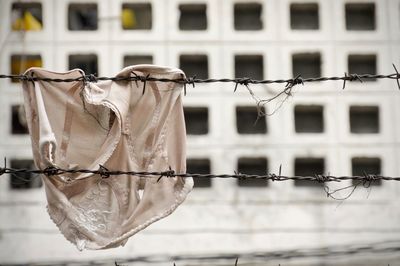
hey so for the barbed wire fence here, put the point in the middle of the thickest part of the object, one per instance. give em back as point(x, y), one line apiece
point(283, 95)
point(330, 253)
point(365, 180)
point(193, 80)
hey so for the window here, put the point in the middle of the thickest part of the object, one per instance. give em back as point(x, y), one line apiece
point(360, 16)
point(252, 166)
point(26, 16)
point(86, 62)
point(199, 166)
point(308, 167)
point(247, 16)
point(18, 120)
point(21, 62)
point(193, 17)
point(194, 65)
point(131, 60)
point(308, 65)
point(196, 120)
point(136, 16)
point(304, 16)
point(24, 180)
point(309, 119)
point(250, 66)
point(246, 120)
point(371, 166)
point(362, 64)
point(82, 17)
point(364, 119)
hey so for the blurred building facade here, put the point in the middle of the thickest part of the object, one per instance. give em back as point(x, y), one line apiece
point(320, 129)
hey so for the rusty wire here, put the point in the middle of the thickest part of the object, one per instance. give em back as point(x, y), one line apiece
point(365, 180)
point(383, 248)
point(280, 97)
point(193, 80)
point(105, 173)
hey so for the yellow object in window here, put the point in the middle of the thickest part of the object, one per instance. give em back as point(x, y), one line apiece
point(27, 22)
point(20, 63)
point(128, 18)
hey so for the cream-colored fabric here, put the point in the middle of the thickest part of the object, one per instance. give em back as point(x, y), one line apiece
point(116, 125)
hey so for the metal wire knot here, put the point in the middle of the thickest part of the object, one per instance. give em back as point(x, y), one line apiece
point(51, 170)
point(103, 172)
point(90, 78)
point(169, 173)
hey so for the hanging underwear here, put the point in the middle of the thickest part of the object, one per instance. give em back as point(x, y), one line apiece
point(120, 125)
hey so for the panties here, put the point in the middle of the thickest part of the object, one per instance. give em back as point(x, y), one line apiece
point(116, 124)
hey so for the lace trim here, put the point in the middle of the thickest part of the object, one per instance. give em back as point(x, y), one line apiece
point(188, 185)
point(81, 241)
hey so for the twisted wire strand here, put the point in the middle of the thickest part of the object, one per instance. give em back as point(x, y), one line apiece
point(105, 173)
point(192, 80)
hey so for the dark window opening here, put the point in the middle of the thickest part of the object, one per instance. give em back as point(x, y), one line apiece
point(199, 166)
point(194, 65)
point(362, 64)
point(247, 122)
point(250, 66)
point(137, 16)
point(196, 120)
point(360, 16)
point(87, 62)
point(26, 16)
point(18, 120)
point(21, 62)
point(247, 16)
point(308, 167)
point(131, 60)
point(364, 119)
point(308, 65)
point(304, 16)
point(309, 119)
point(82, 17)
point(193, 17)
point(366, 166)
point(252, 166)
point(24, 180)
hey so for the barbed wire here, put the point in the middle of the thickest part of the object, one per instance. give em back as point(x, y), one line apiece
point(193, 80)
point(391, 247)
point(388, 251)
point(105, 173)
point(279, 97)
point(365, 180)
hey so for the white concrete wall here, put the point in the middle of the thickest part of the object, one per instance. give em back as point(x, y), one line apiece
point(226, 218)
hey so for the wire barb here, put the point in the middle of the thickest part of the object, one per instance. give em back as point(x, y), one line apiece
point(353, 77)
point(91, 78)
point(25, 78)
point(191, 81)
point(170, 173)
point(397, 76)
point(321, 178)
point(103, 172)
point(50, 171)
point(293, 82)
point(344, 80)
